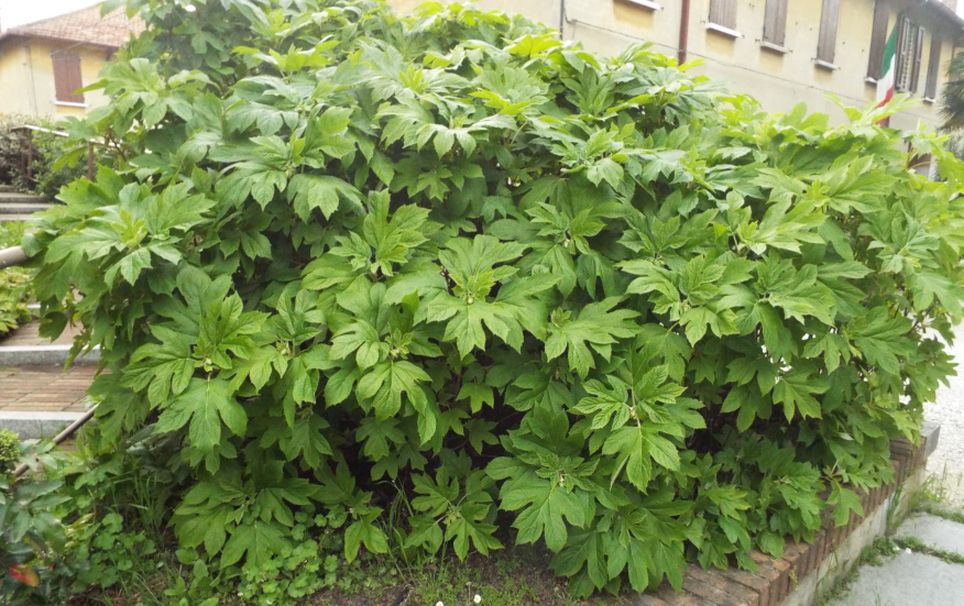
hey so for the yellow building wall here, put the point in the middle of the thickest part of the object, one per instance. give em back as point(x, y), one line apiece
point(27, 78)
point(778, 80)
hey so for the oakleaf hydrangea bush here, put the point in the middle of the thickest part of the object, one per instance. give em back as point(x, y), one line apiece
point(462, 286)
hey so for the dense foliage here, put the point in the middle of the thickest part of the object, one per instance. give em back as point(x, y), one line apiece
point(55, 161)
point(446, 284)
point(16, 283)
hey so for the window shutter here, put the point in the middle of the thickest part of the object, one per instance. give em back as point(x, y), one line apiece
point(67, 77)
point(878, 40)
point(723, 12)
point(775, 22)
point(918, 50)
point(901, 68)
point(933, 67)
point(827, 42)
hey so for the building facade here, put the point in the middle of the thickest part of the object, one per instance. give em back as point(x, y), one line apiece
point(780, 51)
point(44, 64)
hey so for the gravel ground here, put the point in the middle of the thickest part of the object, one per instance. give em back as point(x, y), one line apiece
point(947, 462)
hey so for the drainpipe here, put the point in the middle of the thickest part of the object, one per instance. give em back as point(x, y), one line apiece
point(33, 83)
point(684, 30)
point(562, 19)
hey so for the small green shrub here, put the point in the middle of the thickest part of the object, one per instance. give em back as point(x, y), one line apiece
point(11, 151)
point(16, 283)
point(451, 278)
point(9, 450)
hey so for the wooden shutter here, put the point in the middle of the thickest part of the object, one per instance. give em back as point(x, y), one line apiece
point(827, 42)
point(67, 77)
point(723, 12)
point(878, 40)
point(775, 22)
point(902, 73)
point(933, 67)
point(917, 50)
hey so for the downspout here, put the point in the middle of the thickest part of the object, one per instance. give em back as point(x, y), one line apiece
point(33, 82)
point(684, 30)
point(562, 19)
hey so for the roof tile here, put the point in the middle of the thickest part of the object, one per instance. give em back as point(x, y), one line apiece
point(85, 25)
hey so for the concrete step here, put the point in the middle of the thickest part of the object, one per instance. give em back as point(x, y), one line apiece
point(46, 355)
point(21, 208)
point(17, 217)
point(12, 197)
point(37, 424)
point(4, 188)
point(25, 347)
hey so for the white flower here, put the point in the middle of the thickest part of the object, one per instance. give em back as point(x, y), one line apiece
point(477, 599)
point(440, 603)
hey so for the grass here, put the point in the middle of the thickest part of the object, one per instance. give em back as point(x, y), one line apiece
point(915, 545)
point(516, 577)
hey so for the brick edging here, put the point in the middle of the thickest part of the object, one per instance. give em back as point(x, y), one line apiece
point(776, 578)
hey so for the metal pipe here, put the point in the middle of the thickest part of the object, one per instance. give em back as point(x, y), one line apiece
point(91, 165)
point(562, 19)
point(12, 256)
point(63, 435)
point(684, 31)
point(41, 129)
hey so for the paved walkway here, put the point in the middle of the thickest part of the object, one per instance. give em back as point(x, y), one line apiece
point(45, 388)
point(912, 576)
point(29, 334)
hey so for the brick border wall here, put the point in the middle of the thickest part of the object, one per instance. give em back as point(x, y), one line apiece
point(776, 578)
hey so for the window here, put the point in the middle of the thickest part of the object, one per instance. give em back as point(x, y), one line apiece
point(827, 40)
point(933, 68)
point(878, 40)
point(723, 12)
point(67, 77)
point(775, 22)
point(910, 42)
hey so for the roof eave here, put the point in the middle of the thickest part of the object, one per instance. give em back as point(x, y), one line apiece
point(13, 34)
point(944, 12)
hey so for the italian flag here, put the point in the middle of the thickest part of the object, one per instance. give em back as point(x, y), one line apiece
point(885, 84)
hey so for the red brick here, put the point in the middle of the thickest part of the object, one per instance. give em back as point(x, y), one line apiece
point(682, 598)
point(737, 594)
point(755, 580)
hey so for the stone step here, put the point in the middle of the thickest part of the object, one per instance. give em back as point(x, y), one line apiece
point(4, 188)
point(32, 425)
point(21, 208)
point(16, 217)
point(25, 347)
point(45, 355)
point(19, 198)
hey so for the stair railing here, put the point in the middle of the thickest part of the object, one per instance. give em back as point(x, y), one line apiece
point(26, 141)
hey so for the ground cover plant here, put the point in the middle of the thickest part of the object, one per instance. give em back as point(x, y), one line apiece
point(407, 288)
point(15, 282)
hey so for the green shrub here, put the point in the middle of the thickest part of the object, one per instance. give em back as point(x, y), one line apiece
point(9, 450)
point(16, 283)
point(11, 151)
point(57, 160)
point(453, 270)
